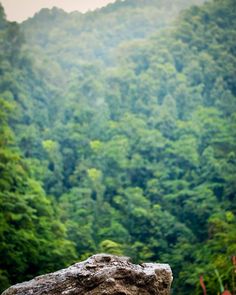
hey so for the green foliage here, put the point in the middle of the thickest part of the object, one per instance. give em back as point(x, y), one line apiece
point(97, 35)
point(119, 141)
point(33, 240)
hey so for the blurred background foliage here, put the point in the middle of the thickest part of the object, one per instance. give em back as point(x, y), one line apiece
point(118, 134)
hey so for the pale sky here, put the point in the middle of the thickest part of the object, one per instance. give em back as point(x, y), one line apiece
point(19, 10)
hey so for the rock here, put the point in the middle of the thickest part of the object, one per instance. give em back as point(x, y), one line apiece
point(101, 274)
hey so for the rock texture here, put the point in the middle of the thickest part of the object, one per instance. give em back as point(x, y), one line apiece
point(101, 274)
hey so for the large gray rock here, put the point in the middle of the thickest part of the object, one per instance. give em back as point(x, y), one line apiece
point(101, 274)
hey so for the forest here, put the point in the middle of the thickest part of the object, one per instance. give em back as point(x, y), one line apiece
point(118, 135)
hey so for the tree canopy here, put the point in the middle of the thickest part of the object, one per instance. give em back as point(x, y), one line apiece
point(120, 137)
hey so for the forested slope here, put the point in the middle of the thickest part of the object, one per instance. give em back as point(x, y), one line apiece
point(135, 158)
point(71, 39)
point(32, 237)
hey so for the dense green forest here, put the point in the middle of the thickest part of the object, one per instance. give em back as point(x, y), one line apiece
point(118, 135)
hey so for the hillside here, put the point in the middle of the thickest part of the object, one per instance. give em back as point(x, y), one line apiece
point(118, 135)
point(70, 39)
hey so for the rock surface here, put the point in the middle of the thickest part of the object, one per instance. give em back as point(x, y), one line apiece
point(101, 274)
